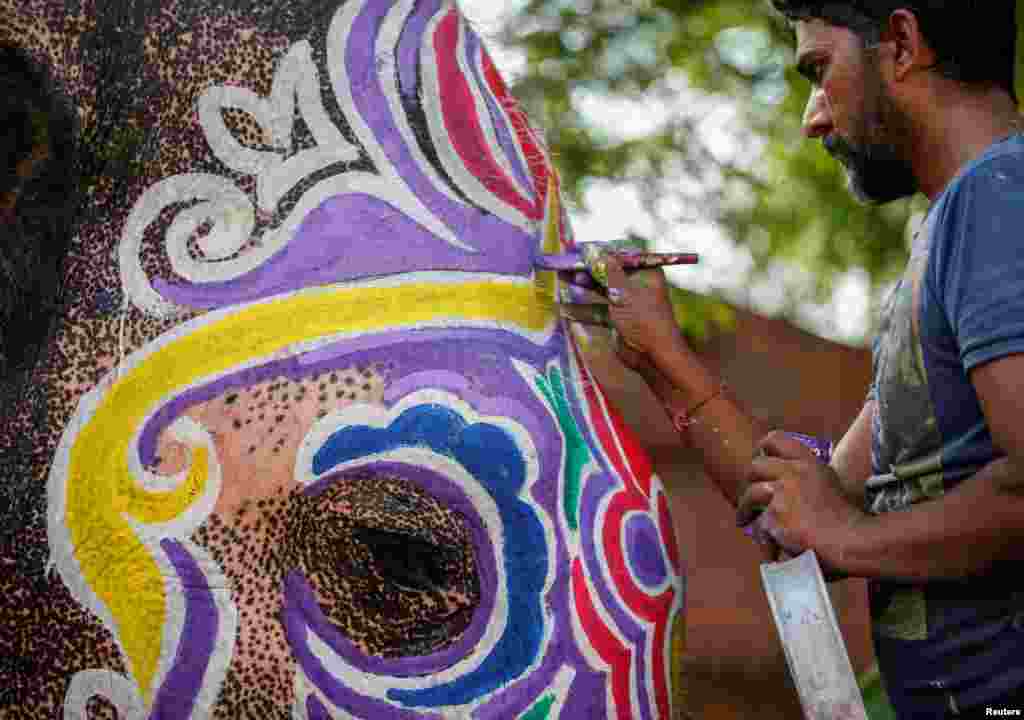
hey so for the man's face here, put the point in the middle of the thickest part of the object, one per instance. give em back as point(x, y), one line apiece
point(851, 110)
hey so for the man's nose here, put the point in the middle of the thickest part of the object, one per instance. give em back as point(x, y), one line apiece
point(817, 120)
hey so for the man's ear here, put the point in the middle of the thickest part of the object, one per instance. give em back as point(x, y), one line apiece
point(910, 51)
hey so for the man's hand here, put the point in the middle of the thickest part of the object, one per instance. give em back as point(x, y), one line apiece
point(640, 310)
point(803, 506)
point(636, 307)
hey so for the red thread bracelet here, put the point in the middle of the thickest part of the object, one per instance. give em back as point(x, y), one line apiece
point(682, 421)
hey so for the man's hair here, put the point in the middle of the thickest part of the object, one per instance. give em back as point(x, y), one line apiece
point(975, 42)
point(37, 145)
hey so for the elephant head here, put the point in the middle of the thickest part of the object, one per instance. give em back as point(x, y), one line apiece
point(306, 436)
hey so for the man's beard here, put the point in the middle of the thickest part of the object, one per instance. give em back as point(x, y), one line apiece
point(875, 168)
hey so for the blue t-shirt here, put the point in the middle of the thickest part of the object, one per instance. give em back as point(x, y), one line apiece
point(960, 303)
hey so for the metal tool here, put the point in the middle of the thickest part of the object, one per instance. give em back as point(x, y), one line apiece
point(813, 644)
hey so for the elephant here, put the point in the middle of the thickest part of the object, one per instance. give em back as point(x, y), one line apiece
point(292, 426)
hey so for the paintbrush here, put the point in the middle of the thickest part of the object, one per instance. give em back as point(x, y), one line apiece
point(583, 257)
point(591, 258)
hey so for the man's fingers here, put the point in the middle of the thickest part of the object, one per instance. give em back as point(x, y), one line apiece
point(767, 469)
point(605, 272)
point(587, 314)
point(778, 444)
point(576, 295)
point(617, 284)
point(624, 344)
point(616, 275)
point(765, 532)
point(580, 279)
point(650, 278)
point(757, 497)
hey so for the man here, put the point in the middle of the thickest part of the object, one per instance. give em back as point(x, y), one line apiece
point(925, 493)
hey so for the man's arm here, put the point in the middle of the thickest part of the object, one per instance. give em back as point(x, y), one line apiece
point(723, 431)
point(729, 437)
point(972, 528)
point(852, 457)
point(966, 532)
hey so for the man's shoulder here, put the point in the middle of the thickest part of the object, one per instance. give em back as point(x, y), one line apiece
point(999, 168)
point(988, 193)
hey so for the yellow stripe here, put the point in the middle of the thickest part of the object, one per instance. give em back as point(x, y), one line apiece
point(547, 282)
point(101, 492)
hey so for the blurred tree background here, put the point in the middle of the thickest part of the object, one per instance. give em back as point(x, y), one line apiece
point(769, 191)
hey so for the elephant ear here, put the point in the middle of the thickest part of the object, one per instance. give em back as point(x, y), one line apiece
point(37, 197)
point(70, 83)
point(47, 32)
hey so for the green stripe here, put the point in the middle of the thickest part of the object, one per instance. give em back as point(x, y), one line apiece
point(541, 710)
point(577, 454)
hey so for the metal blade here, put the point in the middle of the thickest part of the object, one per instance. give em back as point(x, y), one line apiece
point(811, 639)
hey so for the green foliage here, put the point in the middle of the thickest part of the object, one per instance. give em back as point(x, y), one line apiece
point(790, 203)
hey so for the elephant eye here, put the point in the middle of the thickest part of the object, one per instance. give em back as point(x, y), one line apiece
point(406, 561)
point(393, 567)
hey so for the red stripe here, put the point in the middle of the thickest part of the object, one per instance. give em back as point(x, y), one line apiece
point(640, 602)
point(636, 456)
point(597, 416)
point(536, 158)
point(613, 652)
point(463, 124)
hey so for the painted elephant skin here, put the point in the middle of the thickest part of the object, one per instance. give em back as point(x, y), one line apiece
point(308, 439)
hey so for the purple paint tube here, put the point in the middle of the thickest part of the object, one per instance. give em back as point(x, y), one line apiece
point(821, 448)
